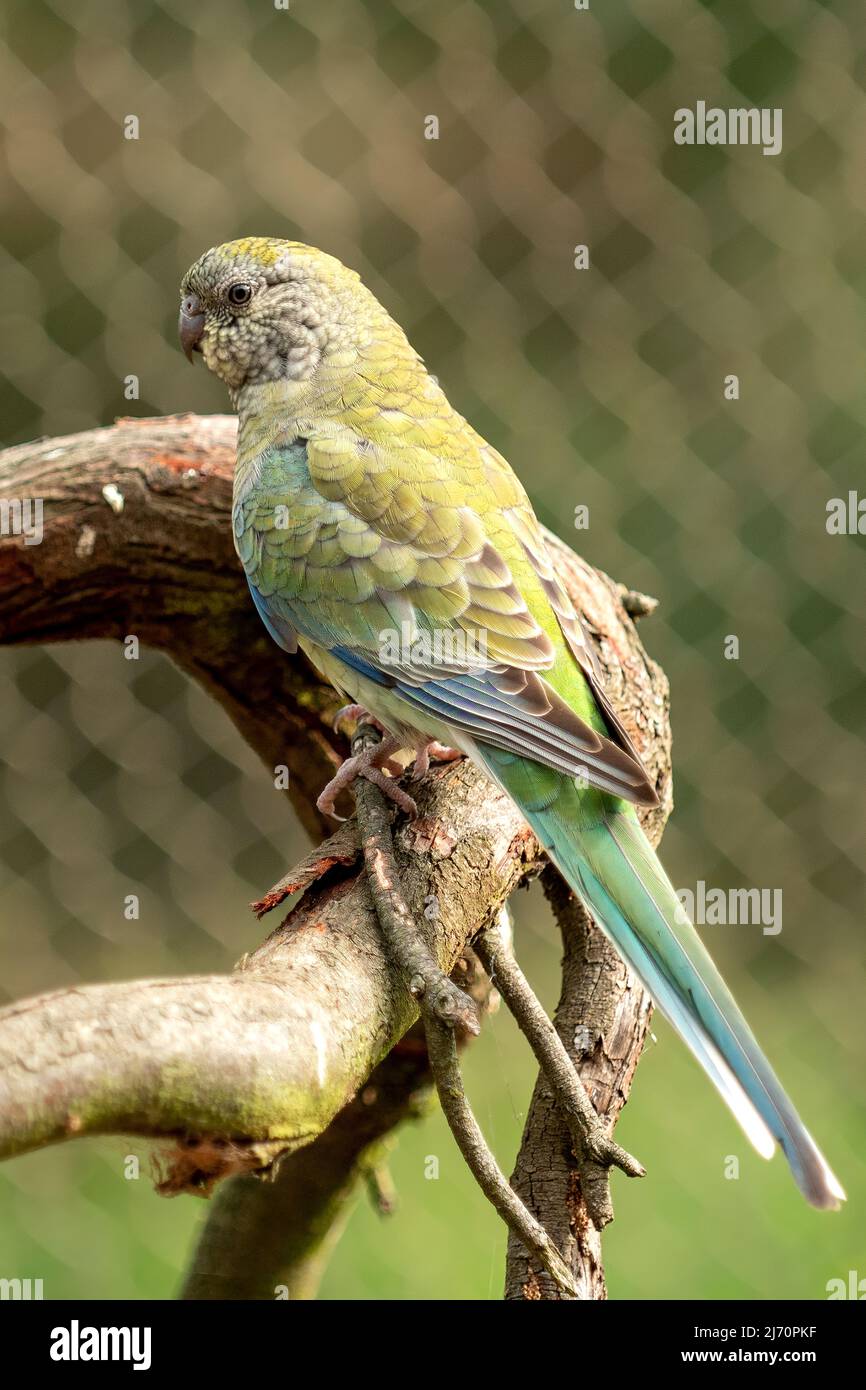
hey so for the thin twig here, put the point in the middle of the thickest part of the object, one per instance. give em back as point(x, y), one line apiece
point(381, 1188)
point(444, 1006)
point(601, 1020)
point(638, 605)
point(444, 1064)
point(425, 980)
point(594, 1148)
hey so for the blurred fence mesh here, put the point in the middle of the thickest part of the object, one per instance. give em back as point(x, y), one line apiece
point(604, 387)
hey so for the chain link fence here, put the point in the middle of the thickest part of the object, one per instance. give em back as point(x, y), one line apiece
point(460, 155)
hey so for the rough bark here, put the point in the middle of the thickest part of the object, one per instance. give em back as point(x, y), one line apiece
point(273, 1052)
point(289, 1225)
point(237, 1069)
point(602, 1017)
point(156, 561)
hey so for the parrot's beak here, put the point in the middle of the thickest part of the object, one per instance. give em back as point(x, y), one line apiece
point(190, 325)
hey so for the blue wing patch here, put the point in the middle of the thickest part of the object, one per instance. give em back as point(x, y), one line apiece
point(365, 668)
point(280, 629)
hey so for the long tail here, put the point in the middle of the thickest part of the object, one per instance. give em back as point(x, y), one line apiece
point(601, 850)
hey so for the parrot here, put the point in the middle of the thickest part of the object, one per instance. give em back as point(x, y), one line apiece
point(392, 544)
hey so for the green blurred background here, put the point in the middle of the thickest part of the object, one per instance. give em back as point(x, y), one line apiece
point(603, 387)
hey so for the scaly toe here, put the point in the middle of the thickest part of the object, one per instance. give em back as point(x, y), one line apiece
point(442, 753)
point(391, 789)
point(426, 751)
point(360, 714)
point(344, 776)
point(369, 764)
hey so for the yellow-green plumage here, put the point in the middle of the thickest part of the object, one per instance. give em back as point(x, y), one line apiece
point(365, 506)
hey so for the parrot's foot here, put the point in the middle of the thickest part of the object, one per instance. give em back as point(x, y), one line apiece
point(425, 751)
point(369, 764)
point(360, 715)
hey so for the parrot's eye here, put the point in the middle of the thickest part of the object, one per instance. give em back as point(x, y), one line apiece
point(240, 293)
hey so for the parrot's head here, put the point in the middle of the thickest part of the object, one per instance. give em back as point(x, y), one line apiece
point(263, 309)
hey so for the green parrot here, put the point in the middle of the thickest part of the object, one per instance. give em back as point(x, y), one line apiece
point(392, 544)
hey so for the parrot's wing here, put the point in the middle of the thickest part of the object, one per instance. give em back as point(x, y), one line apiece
point(528, 532)
point(437, 591)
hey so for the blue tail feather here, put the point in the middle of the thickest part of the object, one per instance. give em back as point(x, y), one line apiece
point(597, 844)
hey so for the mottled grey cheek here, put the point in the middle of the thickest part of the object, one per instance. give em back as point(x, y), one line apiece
point(222, 357)
point(209, 353)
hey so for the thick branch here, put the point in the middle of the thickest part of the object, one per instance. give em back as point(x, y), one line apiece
point(275, 1051)
point(161, 568)
point(287, 1226)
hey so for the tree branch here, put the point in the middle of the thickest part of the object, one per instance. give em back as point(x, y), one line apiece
point(159, 564)
point(602, 1019)
point(286, 1228)
point(273, 1052)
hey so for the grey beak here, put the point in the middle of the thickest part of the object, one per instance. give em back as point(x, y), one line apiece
point(190, 325)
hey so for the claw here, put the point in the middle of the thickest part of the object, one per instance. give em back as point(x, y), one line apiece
point(425, 751)
point(375, 763)
point(368, 764)
point(359, 714)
